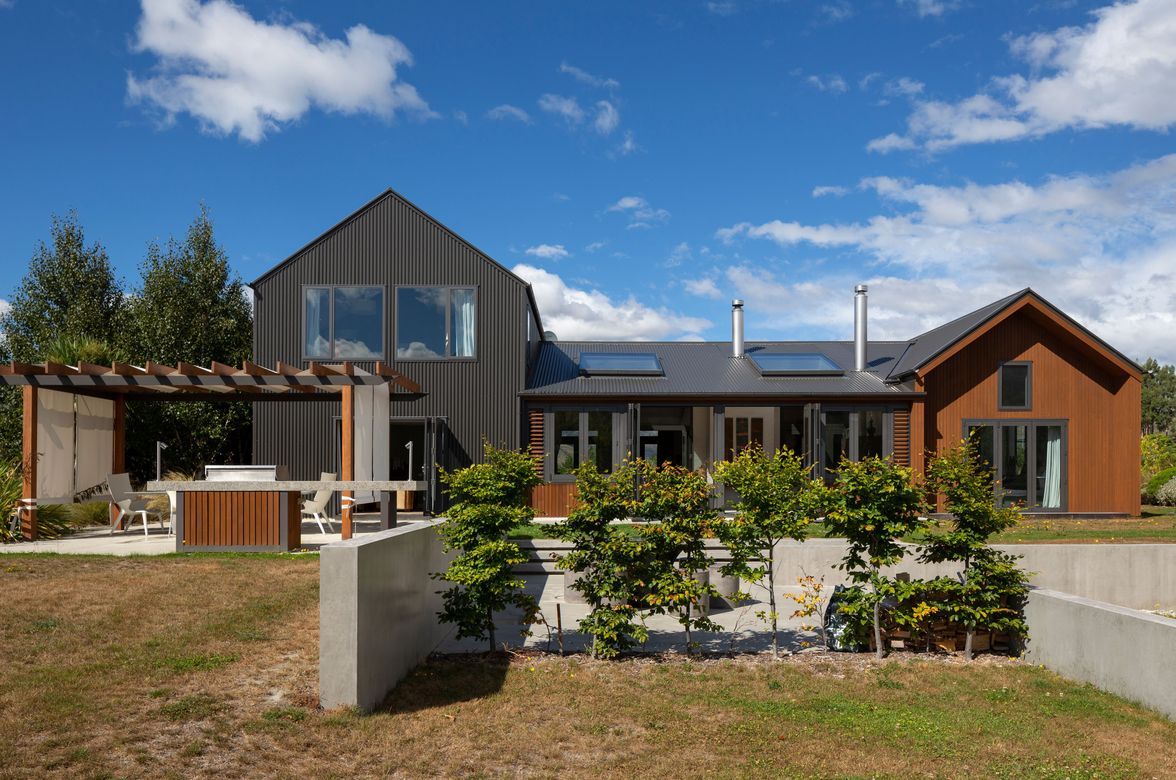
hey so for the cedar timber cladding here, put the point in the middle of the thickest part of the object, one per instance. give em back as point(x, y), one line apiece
point(902, 437)
point(1098, 398)
point(535, 438)
point(390, 242)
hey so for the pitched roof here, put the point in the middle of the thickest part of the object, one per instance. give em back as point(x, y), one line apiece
point(706, 368)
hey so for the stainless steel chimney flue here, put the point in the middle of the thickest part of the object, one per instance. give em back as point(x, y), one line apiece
point(859, 328)
point(736, 328)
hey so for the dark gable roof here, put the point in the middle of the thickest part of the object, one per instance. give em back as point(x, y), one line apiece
point(706, 368)
point(391, 193)
point(928, 346)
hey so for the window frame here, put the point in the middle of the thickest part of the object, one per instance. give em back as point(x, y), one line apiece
point(331, 321)
point(448, 357)
point(1032, 505)
point(855, 425)
point(1000, 404)
point(619, 434)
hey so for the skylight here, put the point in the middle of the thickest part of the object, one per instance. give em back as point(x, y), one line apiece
point(795, 364)
point(620, 364)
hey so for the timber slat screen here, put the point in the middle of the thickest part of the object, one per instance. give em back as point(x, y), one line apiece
point(253, 520)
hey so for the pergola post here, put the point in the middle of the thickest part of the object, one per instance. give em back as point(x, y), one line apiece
point(28, 517)
point(347, 456)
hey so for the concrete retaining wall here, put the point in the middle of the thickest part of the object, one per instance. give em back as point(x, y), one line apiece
point(377, 612)
point(1120, 650)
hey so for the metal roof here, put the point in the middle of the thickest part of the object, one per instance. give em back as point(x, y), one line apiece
point(706, 368)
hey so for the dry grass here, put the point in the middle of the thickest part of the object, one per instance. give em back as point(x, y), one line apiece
point(202, 667)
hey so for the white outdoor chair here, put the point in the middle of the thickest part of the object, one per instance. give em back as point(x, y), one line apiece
point(129, 503)
point(316, 507)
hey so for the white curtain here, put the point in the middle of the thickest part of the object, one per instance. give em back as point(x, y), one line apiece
point(464, 323)
point(55, 445)
point(364, 406)
point(1051, 497)
point(95, 441)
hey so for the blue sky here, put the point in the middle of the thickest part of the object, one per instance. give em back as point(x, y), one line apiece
point(640, 163)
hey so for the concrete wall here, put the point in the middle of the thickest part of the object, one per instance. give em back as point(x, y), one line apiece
point(1120, 650)
point(377, 612)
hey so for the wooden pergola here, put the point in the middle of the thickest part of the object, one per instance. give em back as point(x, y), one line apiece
point(188, 382)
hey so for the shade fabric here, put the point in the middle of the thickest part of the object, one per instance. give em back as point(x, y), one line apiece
point(373, 407)
point(55, 445)
point(95, 442)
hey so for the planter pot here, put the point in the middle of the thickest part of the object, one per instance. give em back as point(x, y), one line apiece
point(727, 586)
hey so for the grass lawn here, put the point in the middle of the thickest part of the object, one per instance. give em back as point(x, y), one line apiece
point(207, 666)
point(1157, 524)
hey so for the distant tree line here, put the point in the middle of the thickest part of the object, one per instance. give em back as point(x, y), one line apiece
point(1159, 397)
point(187, 306)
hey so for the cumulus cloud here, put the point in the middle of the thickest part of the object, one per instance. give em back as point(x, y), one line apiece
point(830, 83)
point(826, 190)
point(567, 108)
point(641, 213)
point(607, 117)
point(704, 287)
point(235, 74)
point(575, 313)
point(584, 77)
point(833, 12)
point(508, 112)
point(1118, 70)
point(1101, 247)
point(548, 251)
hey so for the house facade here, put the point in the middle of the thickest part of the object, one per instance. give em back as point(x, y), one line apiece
point(1055, 410)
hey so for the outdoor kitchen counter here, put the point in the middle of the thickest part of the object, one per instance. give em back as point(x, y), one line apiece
point(259, 515)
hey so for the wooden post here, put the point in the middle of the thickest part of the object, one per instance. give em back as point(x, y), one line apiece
point(28, 518)
point(347, 456)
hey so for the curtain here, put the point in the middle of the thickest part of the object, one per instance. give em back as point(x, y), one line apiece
point(1051, 497)
point(364, 411)
point(464, 322)
point(95, 441)
point(55, 445)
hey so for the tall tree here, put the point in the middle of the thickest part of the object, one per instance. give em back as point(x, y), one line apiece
point(1159, 397)
point(69, 292)
point(191, 308)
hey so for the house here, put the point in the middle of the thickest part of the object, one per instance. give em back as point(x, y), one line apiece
point(1056, 410)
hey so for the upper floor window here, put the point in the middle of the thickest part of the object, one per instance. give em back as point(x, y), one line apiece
point(436, 323)
point(343, 323)
point(1016, 385)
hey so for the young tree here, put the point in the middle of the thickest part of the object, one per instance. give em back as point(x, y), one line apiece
point(611, 564)
point(491, 499)
point(192, 308)
point(991, 586)
point(875, 504)
point(676, 504)
point(69, 291)
point(778, 499)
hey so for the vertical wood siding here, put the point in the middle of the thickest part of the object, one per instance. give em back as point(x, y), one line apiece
point(239, 519)
point(1100, 402)
point(535, 438)
point(554, 499)
point(392, 243)
point(902, 436)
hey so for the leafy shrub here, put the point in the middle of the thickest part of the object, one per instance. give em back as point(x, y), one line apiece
point(1152, 489)
point(1166, 496)
point(90, 513)
point(1157, 453)
point(491, 499)
point(53, 520)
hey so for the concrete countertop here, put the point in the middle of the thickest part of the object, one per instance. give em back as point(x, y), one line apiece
point(272, 486)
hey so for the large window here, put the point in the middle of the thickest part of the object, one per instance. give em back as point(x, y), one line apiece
point(343, 323)
point(1016, 385)
point(1027, 459)
point(853, 434)
point(436, 323)
point(580, 436)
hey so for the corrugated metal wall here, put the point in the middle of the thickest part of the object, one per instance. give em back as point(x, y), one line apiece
point(389, 243)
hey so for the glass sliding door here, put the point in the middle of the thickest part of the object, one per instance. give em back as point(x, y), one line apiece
point(1027, 459)
point(742, 432)
point(853, 434)
point(835, 439)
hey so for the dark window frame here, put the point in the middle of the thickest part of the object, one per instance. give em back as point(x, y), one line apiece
point(1000, 404)
point(619, 434)
point(448, 357)
point(854, 410)
point(1032, 505)
point(331, 321)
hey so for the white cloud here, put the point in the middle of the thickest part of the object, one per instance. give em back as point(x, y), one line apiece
point(548, 251)
point(1116, 71)
point(704, 287)
point(584, 77)
point(930, 7)
point(722, 7)
point(595, 246)
point(236, 74)
point(829, 190)
point(903, 87)
point(628, 145)
point(891, 142)
point(566, 107)
point(580, 314)
point(461, 117)
point(836, 11)
point(6, 307)
point(641, 214)
point(607, 117)
point(678, 255)
point(507, 111)
point(1101, 247)
point(830, 83)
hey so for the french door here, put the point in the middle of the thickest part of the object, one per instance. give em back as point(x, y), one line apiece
point(1027, 459)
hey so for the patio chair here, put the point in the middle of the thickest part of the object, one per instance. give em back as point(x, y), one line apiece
point(316, 507)
point(129, 503)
